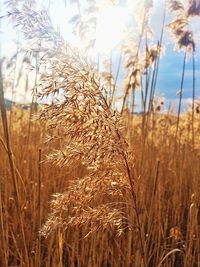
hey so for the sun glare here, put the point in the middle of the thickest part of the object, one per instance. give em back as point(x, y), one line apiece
point(111, 24)
point(112, 21)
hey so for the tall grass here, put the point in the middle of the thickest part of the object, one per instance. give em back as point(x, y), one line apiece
point(167, 200)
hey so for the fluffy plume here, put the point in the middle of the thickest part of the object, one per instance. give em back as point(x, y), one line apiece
point(88, 132)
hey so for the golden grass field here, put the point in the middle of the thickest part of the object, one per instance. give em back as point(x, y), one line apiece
point(167, 191)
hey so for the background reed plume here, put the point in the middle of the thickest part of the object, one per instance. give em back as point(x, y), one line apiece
point(185, 40)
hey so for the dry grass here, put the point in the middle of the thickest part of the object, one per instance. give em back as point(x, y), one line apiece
point(167, 200)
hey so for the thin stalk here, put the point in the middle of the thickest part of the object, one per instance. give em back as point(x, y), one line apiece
point(3, 238)
point(180, 96)
point(136, 59)
point(168, 254)
point(151, 98)
point(142, 93)
point(32, 101)
point(39, 204)
point(110, 76)
point(153, 201)
point(147, 75)
point(39, 186)
point(193, 97)
point(98, 62)
point(151, 95)
point(156, 67)
point(131, 179)
point(13, 83)
point(152, 91)
point(49, 5)
point(147, 79)
point(133, 100)
point(158, 56)
point(116, 79)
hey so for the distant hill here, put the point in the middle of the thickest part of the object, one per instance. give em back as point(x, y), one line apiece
point(10, 104)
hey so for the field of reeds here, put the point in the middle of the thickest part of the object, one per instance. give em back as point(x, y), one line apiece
point(84, 183)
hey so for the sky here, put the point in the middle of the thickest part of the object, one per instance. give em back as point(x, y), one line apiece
point(111, 25)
